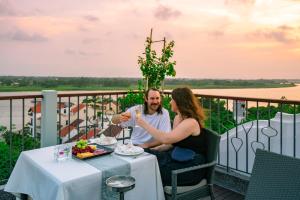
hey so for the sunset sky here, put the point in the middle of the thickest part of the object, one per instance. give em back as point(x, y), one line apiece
point(237, 39)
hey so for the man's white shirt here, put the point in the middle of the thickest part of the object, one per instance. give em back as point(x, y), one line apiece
point(158, 121)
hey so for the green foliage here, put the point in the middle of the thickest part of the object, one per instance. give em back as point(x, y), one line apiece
point(154, 68)
point(132, 98)
point(221, 120)
point(20, 140)
point(5, 160)
point(218, 118)
point(265, 113)
point(2, 128)
point(166, 104)
point(96, 100)
point(19, 143)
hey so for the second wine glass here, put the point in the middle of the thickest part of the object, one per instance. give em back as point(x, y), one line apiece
point(109, 114)
point(138, 113)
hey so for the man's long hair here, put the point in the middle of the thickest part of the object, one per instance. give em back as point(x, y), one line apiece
point(159, 109)
point(188, 105)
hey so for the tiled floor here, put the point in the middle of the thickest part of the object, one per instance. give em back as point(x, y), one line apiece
point(219, 192)
point(224, 194)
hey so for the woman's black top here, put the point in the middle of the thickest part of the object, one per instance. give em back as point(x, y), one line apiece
point(195, 143)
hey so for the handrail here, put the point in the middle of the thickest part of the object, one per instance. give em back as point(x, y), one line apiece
point(21, 97)
point(92, 93)
point(8, 97)
point(246, 98)
point(282, 101)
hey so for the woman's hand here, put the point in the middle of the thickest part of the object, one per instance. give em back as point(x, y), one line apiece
point(144, 146)
point(163, 147)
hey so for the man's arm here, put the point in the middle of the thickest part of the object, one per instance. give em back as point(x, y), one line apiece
point(119, 118)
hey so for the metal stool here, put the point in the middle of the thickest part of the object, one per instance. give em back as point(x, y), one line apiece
point(120, 184)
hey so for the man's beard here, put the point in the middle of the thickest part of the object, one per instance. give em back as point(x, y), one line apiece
point(154, 107)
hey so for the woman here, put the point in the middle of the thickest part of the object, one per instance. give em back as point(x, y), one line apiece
point(186, 134)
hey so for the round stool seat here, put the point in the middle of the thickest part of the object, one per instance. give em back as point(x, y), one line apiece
point(120, 184)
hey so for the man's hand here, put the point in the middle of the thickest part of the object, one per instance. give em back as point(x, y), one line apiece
point(119, 118)
point(125, 116)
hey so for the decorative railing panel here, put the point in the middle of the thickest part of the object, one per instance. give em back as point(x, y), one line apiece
point(244, 123)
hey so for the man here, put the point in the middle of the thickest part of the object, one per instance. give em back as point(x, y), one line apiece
point(152, 112)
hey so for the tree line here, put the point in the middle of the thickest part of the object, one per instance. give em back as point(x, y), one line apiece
point(94, 83)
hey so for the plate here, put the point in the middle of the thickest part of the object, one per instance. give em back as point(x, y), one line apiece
point(129, 150)
point(100, 151)
point(105, 141)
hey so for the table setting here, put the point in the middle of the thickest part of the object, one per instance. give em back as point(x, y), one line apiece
point(49, 174)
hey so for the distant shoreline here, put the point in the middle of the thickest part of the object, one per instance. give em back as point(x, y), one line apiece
point(37, 89)
point(34, 84)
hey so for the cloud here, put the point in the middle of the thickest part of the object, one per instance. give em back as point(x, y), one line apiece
point(282, 34)
point(83, 28)
point(73, 52)
point(239, 2)
point(240, 7)
point(84, 53)
point(216, 33)
point(6, 9)
point(91, 18)
point(70, 52)
point(20, 35)
point(165, 13)
point(90, 40)
point(285, 28)
point(134, 36)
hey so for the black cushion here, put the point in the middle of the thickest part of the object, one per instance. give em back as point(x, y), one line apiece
point(6, 195)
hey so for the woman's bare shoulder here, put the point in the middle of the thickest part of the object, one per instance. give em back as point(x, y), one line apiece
point(193, 125)
point(190, 121)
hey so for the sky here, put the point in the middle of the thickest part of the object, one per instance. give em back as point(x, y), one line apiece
point(236, 39)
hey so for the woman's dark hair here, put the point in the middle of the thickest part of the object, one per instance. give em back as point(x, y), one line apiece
point(188, 105)
point(159, 109)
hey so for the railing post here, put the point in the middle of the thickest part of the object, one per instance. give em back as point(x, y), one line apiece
point(48, 121)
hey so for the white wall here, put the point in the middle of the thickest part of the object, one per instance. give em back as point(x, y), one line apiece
point(238, 140)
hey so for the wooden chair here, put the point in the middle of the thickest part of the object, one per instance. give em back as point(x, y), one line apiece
point(204, 188)
point(274, 176)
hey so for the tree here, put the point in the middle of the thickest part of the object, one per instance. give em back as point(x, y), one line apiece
point(154, 68)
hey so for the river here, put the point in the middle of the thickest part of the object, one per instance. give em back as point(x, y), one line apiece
point(290, 93)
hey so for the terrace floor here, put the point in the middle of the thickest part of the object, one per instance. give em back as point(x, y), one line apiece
point(220, 194)
point(225, 194)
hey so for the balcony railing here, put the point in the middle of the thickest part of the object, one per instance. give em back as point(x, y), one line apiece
point(245, 124)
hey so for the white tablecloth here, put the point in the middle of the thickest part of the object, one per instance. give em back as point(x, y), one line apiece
point(37, 174)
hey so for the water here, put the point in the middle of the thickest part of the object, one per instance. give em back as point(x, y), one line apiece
point(290, 93)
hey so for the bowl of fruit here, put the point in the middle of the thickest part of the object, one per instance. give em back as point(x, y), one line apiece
point(83, 150)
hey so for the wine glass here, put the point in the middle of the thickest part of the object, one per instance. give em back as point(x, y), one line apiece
point(109, 114)
point(138, 113)
point(94, 121)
